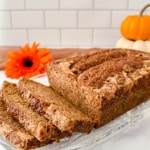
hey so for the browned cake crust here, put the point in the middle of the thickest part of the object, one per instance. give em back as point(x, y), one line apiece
point(61, 112)
point(104, 84)
point(35, 124)
point(14, 132)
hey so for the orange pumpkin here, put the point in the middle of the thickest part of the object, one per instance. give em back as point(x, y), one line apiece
point(136, 27)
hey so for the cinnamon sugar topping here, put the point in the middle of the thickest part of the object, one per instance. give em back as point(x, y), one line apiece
point(95, 76)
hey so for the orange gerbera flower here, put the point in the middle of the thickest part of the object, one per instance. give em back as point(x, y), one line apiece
point(28, 62)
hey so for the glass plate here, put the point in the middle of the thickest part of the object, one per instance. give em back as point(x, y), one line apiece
point(80, 141)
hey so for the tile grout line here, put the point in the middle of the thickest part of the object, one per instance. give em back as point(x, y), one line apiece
point(10, 17)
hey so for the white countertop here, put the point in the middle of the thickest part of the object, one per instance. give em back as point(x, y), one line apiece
point(134, 136)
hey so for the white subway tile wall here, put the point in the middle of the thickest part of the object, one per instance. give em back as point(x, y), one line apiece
point(42, 4)
point(27, 19)
point(61, 19)
point(76, 4)
point(65, 23)
point(5, 19)
point(13, 37)
point(12, 5)
point(45, 36)
point(111, 4)
point(92, 19)
point(76, 37)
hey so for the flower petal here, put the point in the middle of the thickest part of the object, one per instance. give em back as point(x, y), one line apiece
point(45, 59)
point(34, 48)
point(17, 67)
point(43, 52)
point(13, 55)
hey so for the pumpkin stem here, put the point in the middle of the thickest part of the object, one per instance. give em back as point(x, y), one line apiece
point(143, 9)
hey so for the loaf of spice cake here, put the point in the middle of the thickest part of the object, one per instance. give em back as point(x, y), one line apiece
point(35, 124)
point(105, 83)
point(14, 132)
point(54, 107)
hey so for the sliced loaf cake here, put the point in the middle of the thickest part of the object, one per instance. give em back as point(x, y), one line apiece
point(15, 133)
point(35, 124)
point(103, 84)
point(61, 112)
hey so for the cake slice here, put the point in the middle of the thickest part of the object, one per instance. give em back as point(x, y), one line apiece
point(103, 84)
point(14, 132)
point(61, 112)
point(35, 124)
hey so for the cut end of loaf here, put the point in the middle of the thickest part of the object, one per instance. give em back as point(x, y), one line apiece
point(54, 107)
point(37, 125)
point(15, 133)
